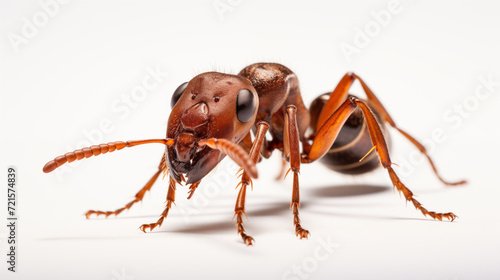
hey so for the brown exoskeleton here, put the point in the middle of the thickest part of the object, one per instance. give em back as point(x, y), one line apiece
point(214, 114)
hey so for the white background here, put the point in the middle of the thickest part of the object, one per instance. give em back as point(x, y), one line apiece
point(66, 77)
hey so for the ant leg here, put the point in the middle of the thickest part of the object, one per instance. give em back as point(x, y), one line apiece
point(385, 115)
point(336, 99)
point(193, 188)
point(239, 208)
point(170, 200)
point(329, 131)
point(340, 93)
point(379, 142)
point(292, 152)
point(239, 211)
point(138, 197)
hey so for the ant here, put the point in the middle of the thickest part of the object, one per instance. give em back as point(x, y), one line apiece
point(216, 114)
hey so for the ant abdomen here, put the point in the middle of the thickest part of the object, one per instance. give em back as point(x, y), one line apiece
point(352, 143)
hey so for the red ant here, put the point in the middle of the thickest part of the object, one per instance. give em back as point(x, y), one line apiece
point(213, 115)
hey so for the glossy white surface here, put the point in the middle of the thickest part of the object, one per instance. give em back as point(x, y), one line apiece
point(83, 70)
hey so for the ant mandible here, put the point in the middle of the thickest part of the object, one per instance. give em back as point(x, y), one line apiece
point(214, 115)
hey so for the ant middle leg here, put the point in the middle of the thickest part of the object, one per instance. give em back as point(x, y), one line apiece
point(291, 150)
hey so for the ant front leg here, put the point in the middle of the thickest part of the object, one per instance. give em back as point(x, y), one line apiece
point(291, 150)
point(170, 200)
point(239, 209)
point(138, 196)
point(100, 149)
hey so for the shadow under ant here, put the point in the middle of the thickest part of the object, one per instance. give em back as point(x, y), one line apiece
point(345, 190)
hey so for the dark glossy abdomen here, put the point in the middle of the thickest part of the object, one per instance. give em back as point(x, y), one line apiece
point(352, 143)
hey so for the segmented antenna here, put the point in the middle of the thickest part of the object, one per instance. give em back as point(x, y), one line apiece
point(234, 151)
point(96, 150)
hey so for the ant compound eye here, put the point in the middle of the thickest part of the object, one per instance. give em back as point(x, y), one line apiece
point(245, 105)
point(177, 94)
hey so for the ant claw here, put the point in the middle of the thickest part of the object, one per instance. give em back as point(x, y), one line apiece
point(88, 214)
point(302, 233)
point(148, 226)
point(249, 241)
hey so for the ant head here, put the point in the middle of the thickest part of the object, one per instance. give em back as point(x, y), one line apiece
point(211, 105)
